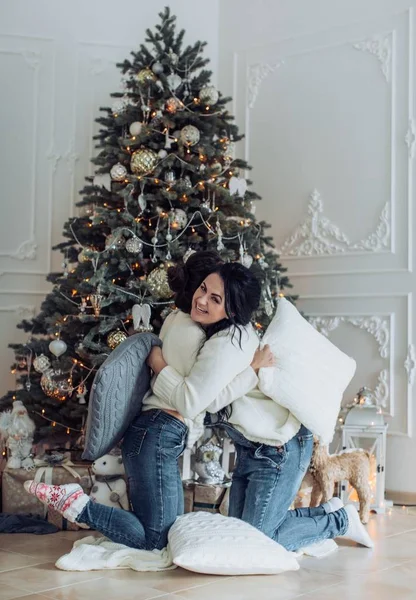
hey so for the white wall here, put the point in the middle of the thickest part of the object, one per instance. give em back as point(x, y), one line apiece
point(319, 113)
point(325, 93)
point(57, 66)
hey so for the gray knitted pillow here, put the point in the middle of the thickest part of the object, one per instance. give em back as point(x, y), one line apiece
point(117, 394)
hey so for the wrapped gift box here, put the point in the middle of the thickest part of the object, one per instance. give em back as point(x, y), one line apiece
point(203, 497)
point(15, 499)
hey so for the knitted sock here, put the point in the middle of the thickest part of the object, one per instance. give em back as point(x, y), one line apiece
point(69, 500)
point(356, 530)
point(333, 505)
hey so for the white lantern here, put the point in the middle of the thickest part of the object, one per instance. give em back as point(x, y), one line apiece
point(365, 428)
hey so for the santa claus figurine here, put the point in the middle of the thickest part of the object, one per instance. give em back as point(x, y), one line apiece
point(16, 430)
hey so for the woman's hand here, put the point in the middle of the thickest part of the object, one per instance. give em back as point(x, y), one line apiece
point(155, 360)
point(263, 357)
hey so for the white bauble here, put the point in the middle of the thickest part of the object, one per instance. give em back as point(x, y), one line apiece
point(57, 347)
point(157, 68)
point(135, 128)
point(162, 154)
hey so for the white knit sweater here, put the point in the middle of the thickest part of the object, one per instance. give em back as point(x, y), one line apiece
point(206, 376)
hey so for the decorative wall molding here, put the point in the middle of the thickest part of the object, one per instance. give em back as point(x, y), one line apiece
point(378, 327)
point(410, 137)
point(410, 364)
point(379, 46)
point(22, 311)
point(256, 74)
point(318, 236)
point(382, 391)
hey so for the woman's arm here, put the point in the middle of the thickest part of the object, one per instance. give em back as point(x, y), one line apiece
point(220, 360)
point(246, 381)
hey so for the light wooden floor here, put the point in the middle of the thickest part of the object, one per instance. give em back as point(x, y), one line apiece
point(386, 573)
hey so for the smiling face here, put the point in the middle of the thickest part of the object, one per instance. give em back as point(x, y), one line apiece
point(208, 302)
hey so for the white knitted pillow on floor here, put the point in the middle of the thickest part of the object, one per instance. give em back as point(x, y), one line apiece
point(210, 543)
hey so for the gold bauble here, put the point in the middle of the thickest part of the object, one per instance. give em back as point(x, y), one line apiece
point(143, 161)
point(158, 284)
point(146, 76)
point(115, 338)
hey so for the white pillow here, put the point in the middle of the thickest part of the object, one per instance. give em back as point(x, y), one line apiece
point(310, 375)
point(210, 543)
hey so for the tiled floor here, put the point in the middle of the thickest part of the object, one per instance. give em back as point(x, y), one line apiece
point(387, 573)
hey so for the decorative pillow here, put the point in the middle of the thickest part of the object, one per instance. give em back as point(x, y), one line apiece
point(210, 543)
point(117, 393)
point(310, 375)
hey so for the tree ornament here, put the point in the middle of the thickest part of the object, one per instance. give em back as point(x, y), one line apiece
point(216, 167)
point(96, 301)
point(85, 255)
point(157, 68)
point(118, 172)
point(220, 244)
point(187, 254)
point(146, 76)
point(114, 241)
point(157, 119)
point(81, 392)
point(173, 58)
point(173, 105)
point(162, 154)
point(190, 135)
point(247, 260)
point(143, 161)
point(141, 318)
point(103, 180)
point(118, 106)
point(115, 338)
point(134, 245)
point(170, 177)
point(237, 186)
point(186, 181)
point(56, 384)
point(178, 218)
point(41, 363)
point(135, 128)
point(157, 281)
point(174, 81)
point(57, 348)
point(209, 95)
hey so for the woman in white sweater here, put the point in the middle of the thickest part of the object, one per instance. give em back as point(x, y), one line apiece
point(273, 448)
point(157, 437)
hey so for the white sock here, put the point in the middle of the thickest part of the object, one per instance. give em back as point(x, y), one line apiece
point(319, 549)
point(333, 505)
point(356, 530)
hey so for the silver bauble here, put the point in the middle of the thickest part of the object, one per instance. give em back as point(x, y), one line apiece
point(41, 363)
point(209, 95)
point(118, 172)
point(190, 135)
point(178, 218)
point(134, 245)
point(118, 106)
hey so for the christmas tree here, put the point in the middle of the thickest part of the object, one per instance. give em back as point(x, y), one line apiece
point(167, 182)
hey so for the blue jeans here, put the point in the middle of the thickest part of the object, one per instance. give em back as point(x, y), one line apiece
point(151, 448)
point(265, 482)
